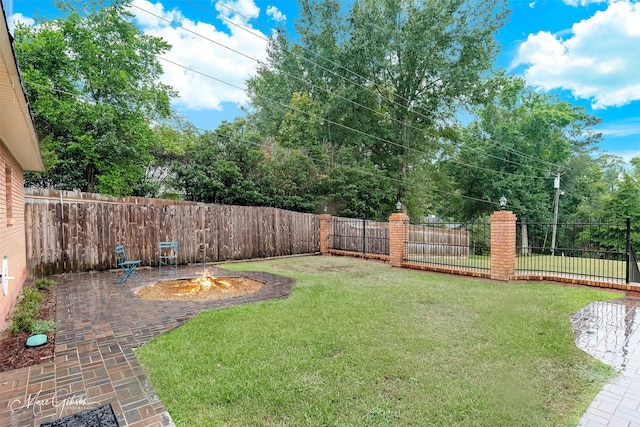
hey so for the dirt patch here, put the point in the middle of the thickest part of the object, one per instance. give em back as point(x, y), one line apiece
point(200, 289)
point(15, 354)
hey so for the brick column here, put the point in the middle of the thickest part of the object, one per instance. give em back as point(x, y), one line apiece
point(398, 236)
point(325, 232)
point(503, 245)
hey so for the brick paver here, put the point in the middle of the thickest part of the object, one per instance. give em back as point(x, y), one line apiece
point(610, 332)
point(99, 324)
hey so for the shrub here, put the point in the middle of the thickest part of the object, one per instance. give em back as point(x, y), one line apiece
point(44, 283)
point(31, 297)
point(42, 326)
point(23, 321)
point(27, 311)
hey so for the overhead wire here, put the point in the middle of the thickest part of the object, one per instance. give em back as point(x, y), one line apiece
point(218, 16)
point(329, 121)
point(288, 106)
point(384, 140)
point(315, 159)
point(313, 86)
point(344, 68)
point(363, 133)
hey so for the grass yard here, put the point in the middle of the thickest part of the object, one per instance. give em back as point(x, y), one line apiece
point(359, 343)
point(562, 265)
point(573, 265)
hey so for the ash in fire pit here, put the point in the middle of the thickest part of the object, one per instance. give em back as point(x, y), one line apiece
point(202, 288)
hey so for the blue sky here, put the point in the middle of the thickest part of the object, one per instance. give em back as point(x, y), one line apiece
point(585, 51)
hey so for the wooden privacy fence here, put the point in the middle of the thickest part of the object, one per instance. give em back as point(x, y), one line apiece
point(359, 235)
point(71, 231)
point(437, 241)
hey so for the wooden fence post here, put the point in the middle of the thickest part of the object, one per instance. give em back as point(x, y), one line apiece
point(325, 231)
point(503, 245)
point(398, 236)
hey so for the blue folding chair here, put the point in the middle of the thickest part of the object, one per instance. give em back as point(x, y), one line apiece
point(168, 258)
point(129, 267)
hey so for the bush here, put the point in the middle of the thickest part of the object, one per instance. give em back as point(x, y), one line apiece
point(27, 311)
point(42, 326)
point(44, 283)
point(23, 321)
point(31, 297)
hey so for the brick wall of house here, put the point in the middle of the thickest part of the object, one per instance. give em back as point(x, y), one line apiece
point(12, 231)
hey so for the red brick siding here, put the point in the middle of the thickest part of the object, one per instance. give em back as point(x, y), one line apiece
point(12, 232)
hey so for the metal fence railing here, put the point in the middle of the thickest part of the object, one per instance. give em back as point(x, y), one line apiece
point(463, 246)
point(359, 235)
point(581, 250)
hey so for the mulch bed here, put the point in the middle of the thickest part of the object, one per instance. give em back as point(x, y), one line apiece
point(15, 354)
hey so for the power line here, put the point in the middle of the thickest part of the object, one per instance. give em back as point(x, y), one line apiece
point(555, 166)
point(316, 87)
point(386, 141)
point(317, 160)
point(328, 121)
point(345, 126)
point(303, 81)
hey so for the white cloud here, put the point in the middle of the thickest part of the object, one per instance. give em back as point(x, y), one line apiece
point(13, 20)
point(621, 128)
point(206, 47)
point(576, 3)
point(598, 60)
point(276, 14)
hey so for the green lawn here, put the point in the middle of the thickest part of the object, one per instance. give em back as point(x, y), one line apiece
point(359, 343)
point(562, 265)
point(573, 265)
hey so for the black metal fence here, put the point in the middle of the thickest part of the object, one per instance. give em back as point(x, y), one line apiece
point(465, 246)
point(585, 250)
point(359, 235)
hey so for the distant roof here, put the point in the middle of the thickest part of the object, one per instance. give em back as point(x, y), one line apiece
point(16, 124)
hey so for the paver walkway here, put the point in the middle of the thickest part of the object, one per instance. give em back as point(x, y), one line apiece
point(610, 332)
point(99, 324)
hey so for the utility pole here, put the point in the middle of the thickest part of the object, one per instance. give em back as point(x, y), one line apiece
point(556, 185)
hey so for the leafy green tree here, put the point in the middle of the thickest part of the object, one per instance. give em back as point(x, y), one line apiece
point(519, 142)
point(388, 75)
point(170, 139)
point(290, 180)
point(358, 191)
point(220, 167)
point(92, 81)
point(301, 127)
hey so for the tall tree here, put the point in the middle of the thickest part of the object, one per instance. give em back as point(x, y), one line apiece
point(92, 80)
point(389, 74)
point(520, 141)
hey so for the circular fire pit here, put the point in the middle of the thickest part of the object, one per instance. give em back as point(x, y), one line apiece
point(203, 288)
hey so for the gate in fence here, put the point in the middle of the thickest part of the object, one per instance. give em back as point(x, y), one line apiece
point(359, 235)
point(580, 250)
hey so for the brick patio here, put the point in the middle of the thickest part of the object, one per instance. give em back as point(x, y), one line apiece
point(610, 332)
point(99, 324)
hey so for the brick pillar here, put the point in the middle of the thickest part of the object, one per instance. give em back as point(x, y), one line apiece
point(503, 245)
point(398, 236)
point(325, 232)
